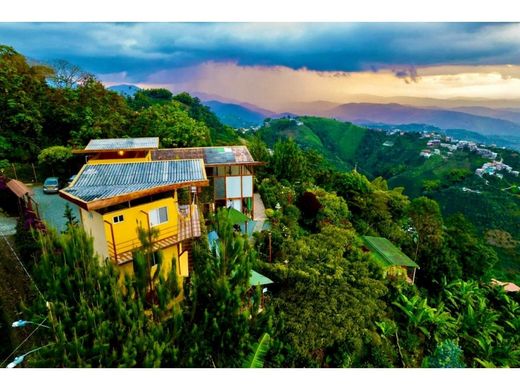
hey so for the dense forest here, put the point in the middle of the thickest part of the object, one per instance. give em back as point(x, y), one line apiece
point(331, 304)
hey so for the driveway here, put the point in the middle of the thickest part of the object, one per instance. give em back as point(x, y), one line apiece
point(52, 208)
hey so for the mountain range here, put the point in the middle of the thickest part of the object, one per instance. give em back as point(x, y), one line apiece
point(487, 117)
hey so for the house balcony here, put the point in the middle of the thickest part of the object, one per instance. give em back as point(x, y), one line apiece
point(187, 227)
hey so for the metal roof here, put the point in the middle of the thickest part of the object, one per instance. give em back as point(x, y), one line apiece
point(123, 144)
point(212, 155)
point(106, 181)
point(387, 252)
point(259, 279)
point(18, 188)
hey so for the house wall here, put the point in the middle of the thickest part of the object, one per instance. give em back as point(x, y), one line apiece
point(94, 225)
point(101, 160)
point(125, 232)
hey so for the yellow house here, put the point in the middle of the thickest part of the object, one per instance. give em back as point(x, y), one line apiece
point(116, 196)
point(127, 183)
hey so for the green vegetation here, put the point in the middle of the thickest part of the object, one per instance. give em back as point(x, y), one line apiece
point(326, 184)
point(490, 202)
point(60, 105)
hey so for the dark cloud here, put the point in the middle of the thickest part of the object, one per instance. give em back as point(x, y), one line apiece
point(408, 75)
point(143, 48)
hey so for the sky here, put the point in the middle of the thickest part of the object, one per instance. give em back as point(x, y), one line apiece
point(278, 65)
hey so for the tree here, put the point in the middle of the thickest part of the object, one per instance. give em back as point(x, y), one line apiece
point(477, 259)
point(55, 160)
point(97, 317)
point(222, 323)
point(67, 75)
point(329, 300)
point(148, 97)
point(446, 355)
point(288, 162)
point(98, 113)
point(172, 124)
point(219, 133)
point(22, 94)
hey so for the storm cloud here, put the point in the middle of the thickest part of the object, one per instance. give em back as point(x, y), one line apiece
point(142, 49)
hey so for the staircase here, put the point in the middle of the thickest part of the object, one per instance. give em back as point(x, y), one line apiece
point(186, 246)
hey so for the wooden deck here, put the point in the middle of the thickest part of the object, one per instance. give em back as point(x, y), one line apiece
point(188, 228)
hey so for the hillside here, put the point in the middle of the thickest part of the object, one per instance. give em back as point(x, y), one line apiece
point(235, 115)
point(488, 202)
point(444, 119)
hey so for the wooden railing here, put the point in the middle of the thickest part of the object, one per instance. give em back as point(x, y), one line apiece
point(187, 226)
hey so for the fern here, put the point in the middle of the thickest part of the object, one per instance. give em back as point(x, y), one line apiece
point(256, 358)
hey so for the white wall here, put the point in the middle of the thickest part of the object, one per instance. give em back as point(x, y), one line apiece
point(94, 225)
point(233, 185)
point(247, 186)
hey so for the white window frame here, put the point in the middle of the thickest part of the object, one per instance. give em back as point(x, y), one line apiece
point(155, 214)
point(118, 218)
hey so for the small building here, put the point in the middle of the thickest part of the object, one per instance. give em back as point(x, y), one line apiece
point(395, 263)
point(115, 199)
point(230, 170)
point(426, 153)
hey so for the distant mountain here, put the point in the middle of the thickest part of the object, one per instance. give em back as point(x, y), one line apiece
point(444, 119)
point(125, 89)
point(513, 116)
point(235, 115)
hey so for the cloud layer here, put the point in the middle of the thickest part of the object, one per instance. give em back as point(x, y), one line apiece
point(139, 48)
point(282, 61)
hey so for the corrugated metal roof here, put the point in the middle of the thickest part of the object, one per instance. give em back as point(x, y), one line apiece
point(212, 155)
point(18, 188)
point(105, 181)
point(123, 143)
point(388, 252)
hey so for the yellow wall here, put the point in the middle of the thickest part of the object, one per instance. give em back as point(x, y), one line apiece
point(125, 232)
point(102, 160)
point(126, 236)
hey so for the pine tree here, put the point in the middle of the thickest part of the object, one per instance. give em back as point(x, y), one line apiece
point(223, 323)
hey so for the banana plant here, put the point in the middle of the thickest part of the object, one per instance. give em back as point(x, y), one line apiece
point(257, 357)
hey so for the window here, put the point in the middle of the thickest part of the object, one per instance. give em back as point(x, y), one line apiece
point(158, 216)
point(220, 188)
point(118, 218)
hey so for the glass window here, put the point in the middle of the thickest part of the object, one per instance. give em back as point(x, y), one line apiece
point(158, 216)
point(220, 188)
point(221, 171)
point(118, 218)
point(235, 170)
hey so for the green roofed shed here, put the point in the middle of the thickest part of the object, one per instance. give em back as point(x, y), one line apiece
point(236, 217)
point(387, 253)
point(259, 279)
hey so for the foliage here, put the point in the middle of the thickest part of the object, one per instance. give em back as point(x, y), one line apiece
point(330, 296)
point(145, 98)
point(257, 357)
point(446, 355)
point(54, 160)
point(219, 133)
point(172, 124)
point(23, 90)
point(222, 321)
